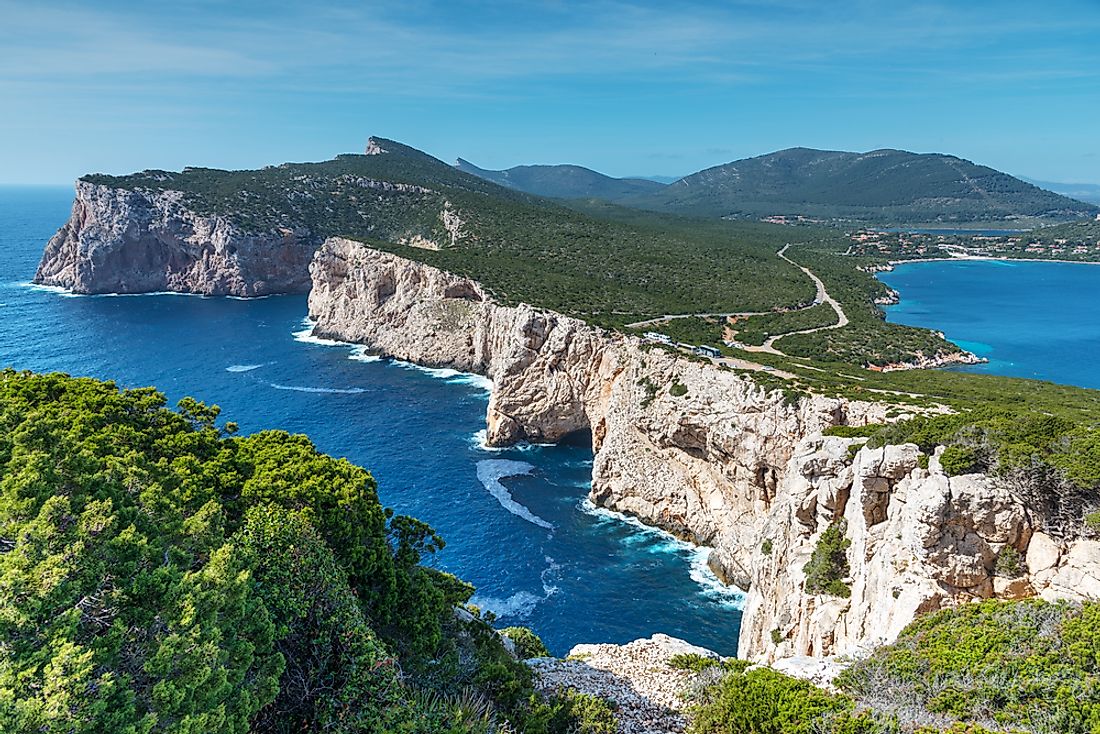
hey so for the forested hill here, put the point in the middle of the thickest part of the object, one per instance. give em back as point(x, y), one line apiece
point(564, 181)
point(881, 186)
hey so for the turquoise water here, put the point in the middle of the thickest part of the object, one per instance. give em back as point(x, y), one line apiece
point(1030, 319)
point(515, 521)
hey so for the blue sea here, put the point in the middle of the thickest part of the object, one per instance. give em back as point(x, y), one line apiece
point(1029, 319)
point(516, 522)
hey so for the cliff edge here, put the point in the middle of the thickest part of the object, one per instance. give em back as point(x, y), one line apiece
point(707, 454)
point(138, 241)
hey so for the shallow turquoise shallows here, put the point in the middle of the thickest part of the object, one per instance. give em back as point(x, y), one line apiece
point(516, 522)
point(1029, 319)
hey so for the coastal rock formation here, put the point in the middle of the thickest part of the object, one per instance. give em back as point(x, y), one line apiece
point(636, 676)
point(704, 452)
point(136, 241)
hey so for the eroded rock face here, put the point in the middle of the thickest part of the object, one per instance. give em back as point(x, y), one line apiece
point(123, 241)
point(725, 464)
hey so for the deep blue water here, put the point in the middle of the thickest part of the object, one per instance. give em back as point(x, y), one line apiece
point(589, 577)
point(1030, 319)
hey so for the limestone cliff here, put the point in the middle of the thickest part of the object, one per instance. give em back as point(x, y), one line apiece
point(135, 241)
point(709, 455)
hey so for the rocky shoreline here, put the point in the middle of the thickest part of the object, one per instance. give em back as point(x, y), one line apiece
point(719, 461)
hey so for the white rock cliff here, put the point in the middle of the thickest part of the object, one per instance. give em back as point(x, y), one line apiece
point(123, 241)
point(718, 460)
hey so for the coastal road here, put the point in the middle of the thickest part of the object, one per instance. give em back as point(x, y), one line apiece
point(822, 297)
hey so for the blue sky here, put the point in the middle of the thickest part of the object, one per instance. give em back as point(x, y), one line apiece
point(624, 87)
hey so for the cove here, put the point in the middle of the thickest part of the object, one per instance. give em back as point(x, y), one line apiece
point(516, 521)
point(1029, 319)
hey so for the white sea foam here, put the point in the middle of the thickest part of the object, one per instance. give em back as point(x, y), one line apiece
point(326, 390)
point(359, 354)
point(491, 471)
point(663, 542)
point(243, 367)
point(451, 375)
point(522, 603)
point(518, 605)
point(306, 335)
point(63, 292)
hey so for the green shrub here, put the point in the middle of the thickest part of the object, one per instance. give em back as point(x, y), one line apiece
point(766, 547)
point(828, 564)
point(528, 645)
point(957, 460)
point(777, 636)
point(762, 701)
point(1027, 665)
point(693, 662)
point(1009, 563)
point(1092, 521)
point(571, 712)
point(677, 389)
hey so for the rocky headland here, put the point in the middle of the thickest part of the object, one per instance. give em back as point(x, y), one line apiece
point(138, 241)
point(711, 456)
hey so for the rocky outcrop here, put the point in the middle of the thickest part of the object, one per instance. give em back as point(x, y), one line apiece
point(137, 241)
point(636, 677)
point(707, 454)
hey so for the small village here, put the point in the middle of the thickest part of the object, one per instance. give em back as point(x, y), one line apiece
point(913, 245)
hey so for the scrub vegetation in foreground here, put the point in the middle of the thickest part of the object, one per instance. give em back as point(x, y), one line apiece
point(159, 573)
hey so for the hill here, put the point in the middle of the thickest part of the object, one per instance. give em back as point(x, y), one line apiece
point(564, 181)
point(881, 186)
point(522, 247)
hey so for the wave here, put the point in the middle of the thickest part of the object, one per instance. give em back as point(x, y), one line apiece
point(325, 390)
point(243, 367)
point(518, 605)
point(521, 604)
point(491, 471)
point(662, 541)
point(359, 354)
point(451, 375)
point(56, 289)
point(306, 335)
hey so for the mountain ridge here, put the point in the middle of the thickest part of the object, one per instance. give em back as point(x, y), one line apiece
point(562, 181)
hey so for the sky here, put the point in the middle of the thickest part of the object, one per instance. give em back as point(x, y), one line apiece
point(627, 88)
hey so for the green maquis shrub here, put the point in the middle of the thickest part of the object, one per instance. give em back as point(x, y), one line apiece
point(853, 431)
point(762, 701)
point(1018, 666)
point(160, 574)
point(571, 712)
point(957, 460)
point(528, 645)
point(828, 564)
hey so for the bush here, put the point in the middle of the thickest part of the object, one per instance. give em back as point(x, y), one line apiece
point(1009, 563)
point(693, 662)
point(677, 389)
point(957, 460)
point(528, 645)
point(766, 547)
point(571, 712)
point(1029, 665)
point(828, 565)
point(762, 701)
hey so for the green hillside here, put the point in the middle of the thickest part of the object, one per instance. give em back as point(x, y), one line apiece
point(160, 574)
point(564, 181)
point(522, 247)
point(884, 186)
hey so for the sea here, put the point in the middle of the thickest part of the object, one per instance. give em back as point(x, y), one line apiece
point(1029, 319)
point(517, 522)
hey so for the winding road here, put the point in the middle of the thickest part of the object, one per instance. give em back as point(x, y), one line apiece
point(822, 297)
point(768, 346)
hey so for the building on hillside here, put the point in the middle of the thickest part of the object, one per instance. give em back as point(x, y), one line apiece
point(705, 351)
